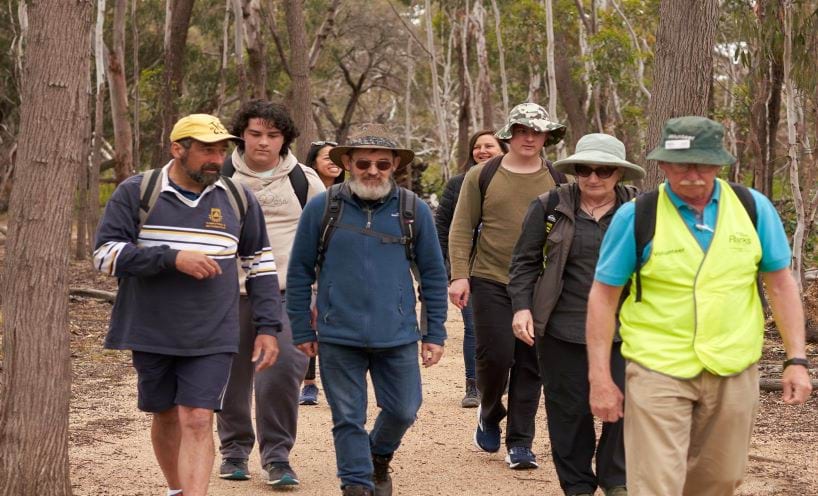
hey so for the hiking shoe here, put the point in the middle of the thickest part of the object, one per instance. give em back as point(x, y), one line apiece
point(234, 469)
point(280, 474)
point(521, 458)
point(380, 475)
point(486, 437)
point(356, 491)
point(472, 399)
point(616, 491)
point(309, 395)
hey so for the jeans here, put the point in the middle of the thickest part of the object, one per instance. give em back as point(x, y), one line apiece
point(396, 378)
point(468, 340)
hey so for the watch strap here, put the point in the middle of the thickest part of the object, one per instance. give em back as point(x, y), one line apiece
point(796, 361)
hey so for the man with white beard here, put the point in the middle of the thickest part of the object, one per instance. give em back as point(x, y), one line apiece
point(353, 241)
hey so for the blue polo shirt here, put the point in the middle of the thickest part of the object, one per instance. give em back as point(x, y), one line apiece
point(617, 256)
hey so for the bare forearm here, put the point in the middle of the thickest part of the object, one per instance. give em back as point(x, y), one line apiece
point(600, 328)
point(788, 311)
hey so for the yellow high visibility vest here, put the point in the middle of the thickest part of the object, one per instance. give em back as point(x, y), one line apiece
point(699, 310)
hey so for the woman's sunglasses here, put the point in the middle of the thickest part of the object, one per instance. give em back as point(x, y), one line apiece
point(601, 172)
point(382, 165)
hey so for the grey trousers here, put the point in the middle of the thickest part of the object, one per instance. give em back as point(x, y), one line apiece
point(277, 389)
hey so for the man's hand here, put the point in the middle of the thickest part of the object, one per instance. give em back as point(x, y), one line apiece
point(266, 348)
point(606, 400)
point(310, 348)
point(459, 291)
point(523, 326)
point(430, 353)
point(796, 385)
point(197, 265)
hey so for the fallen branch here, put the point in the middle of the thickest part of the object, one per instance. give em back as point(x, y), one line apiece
point(93, 293)
point(775, 384)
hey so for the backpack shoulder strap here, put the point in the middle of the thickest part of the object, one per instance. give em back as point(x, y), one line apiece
point(298, 180)
point(333, 209)
point(549, 202)
point(227, 166)
point(559, 177)
point(644, 225)
point(237, 198)
point(148, 193)
point(747, 200)
point(407, 201)
point(486, 175)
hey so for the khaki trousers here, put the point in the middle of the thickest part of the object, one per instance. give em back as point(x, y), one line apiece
point(687, 437)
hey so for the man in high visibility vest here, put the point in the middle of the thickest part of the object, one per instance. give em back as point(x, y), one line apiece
point(692, 331)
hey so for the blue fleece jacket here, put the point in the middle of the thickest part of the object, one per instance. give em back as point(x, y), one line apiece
point(365, 293)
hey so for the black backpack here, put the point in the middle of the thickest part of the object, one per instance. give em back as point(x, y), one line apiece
point(334, 207)
point(298, 179)
point(644, 223)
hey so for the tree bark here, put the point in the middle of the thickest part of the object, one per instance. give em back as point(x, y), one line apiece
point(683, 68)
point(137, 157)
point(123, 137)
point(442, 131)
point(36, 385)
point(256, 49)
point(175, 41)
point(464, 113)
point(301, 104)
point(500, 56)
point(483, 69)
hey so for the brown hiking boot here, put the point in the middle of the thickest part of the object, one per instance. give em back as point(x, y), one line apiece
point(472, 398)
point(616, 491)
point(380, 475)
point(356, 491)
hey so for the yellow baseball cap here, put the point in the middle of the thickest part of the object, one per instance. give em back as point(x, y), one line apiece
point(201, 127)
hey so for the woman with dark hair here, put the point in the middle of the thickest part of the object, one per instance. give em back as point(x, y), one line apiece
point(318, 159)
point(483, 146)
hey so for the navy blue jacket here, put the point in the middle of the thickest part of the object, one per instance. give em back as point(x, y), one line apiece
point(366, 296)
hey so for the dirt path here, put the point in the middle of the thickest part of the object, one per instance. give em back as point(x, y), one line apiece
point(111, 452)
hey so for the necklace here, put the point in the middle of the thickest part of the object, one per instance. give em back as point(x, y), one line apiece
point(591, 210)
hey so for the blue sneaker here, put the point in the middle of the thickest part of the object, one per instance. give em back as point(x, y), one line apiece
point(281, 474)
point(234, 469)
point(309, 395)
point(521, 458)
point(486, 437)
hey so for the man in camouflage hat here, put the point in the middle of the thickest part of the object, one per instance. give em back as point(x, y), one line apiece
point(518, 177)
point(692, 325)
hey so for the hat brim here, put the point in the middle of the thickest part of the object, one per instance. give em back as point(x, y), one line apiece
point(718, 157)
point(630, 172)
point(556, 132)
point(214, 138)
point(406, 156)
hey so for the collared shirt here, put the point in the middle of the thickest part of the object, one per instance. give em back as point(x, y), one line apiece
point(617, 258)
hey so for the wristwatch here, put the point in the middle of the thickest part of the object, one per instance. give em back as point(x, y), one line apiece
point(796, 361)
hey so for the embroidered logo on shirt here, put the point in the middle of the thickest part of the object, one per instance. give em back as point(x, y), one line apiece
point(215, 219)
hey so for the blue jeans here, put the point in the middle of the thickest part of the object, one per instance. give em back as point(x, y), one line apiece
point(469, 341)
point(396, 378)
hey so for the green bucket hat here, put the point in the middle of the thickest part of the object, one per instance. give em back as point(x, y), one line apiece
point(534, 117)
point(600, 149)
point(692, 140)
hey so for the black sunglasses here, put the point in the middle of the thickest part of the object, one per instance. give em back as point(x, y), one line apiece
point(382, 165)
point(601, 172)
point(324, 143)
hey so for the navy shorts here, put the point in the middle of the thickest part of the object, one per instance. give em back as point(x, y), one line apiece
point(166, 380)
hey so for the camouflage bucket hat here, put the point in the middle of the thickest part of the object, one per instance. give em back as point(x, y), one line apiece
point(692, 140)
point(534, 117)
point(370, 136)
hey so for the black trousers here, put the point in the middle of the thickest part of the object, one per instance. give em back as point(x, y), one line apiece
point(564, 369)
point(502, 358)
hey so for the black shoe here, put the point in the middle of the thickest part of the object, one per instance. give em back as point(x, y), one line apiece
point(380, 475)
point(234, 469)
point(356, 491)
point(280, 474)
point(472, 398)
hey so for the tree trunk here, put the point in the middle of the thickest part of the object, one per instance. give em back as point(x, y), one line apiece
point(483, 69)
point(439, 111)
point(572, 94)
point(36, 385)
point(301, 104)
point(137, 157)
point(225, 49)
point(552, 75)
point(683, 68)
point(501, 56)
point(123, 138)
point(256, 49)
point(464, 113)
point(99, 116)
point(175, 41)
point(238, 40)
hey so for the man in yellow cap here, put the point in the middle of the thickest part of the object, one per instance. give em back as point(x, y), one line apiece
point(171, 237)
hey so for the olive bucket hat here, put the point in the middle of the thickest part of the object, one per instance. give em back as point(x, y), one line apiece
point(535, 117)
point(692, 140)
point(600, 149)
point(370, 136)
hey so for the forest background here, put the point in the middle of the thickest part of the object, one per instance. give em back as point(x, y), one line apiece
point(90, 89)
